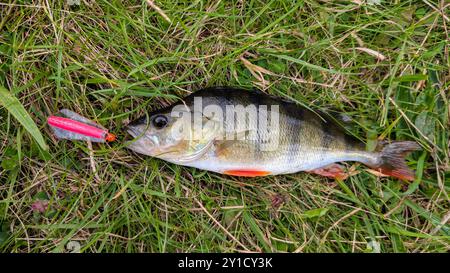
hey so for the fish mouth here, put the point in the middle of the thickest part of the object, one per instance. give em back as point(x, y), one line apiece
point(140, 142)
point(133, 131)
point(137, 137)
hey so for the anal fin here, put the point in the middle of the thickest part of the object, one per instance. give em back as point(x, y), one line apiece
point(333, 171)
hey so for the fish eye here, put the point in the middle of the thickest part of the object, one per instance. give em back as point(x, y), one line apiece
point(160, 121)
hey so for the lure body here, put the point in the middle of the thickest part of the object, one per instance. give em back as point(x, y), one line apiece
point(76, 127)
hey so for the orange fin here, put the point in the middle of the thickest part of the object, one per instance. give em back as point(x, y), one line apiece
point(400, 173)
point(246, 173)
point(392, 160)
point(334, 171)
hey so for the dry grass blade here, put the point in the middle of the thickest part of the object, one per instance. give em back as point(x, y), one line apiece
point(159, 10)
point(372, 52)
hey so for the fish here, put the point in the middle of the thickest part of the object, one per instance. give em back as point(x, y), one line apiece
point(246, 132)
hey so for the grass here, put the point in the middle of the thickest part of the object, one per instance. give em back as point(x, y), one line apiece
point(385, 66)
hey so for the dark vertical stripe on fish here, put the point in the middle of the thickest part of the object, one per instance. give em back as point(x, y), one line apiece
point(295, 137)
point(327, 138)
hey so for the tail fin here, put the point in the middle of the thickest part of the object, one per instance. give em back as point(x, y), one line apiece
point(392, 159)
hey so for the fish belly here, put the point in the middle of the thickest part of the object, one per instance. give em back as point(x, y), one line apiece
point(273, 163)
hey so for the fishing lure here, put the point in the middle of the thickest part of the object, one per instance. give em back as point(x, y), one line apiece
point(75, 127)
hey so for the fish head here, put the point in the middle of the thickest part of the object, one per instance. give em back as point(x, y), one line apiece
point(172, 134)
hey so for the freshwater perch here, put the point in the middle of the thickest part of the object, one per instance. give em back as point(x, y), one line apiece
point(243, 132)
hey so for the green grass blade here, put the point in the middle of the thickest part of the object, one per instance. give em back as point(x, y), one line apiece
point(309, 65)
point(248, 218)
point(13, 105)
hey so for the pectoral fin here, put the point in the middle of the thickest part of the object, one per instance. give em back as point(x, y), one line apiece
point(197, 153)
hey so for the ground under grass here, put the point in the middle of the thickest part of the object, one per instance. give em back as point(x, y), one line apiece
point(385, 66)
